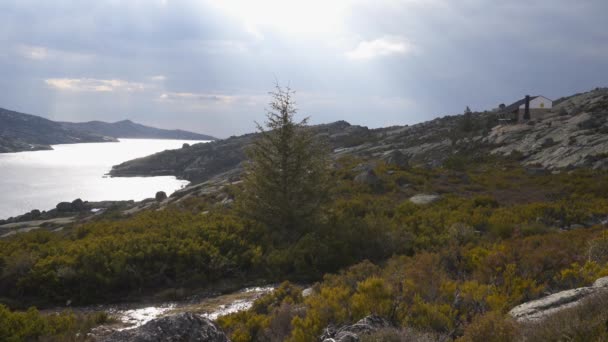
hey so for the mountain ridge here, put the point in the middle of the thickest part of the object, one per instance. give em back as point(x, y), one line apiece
point(130, 129)
point(27, 132)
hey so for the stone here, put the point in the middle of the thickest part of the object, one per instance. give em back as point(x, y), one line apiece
point(227, 202)
point(396, 158)
point(600, 283)
point(78, 205)
point(541, 308)
point(160, 196)
point(424, 198)
point(186, 327)
point(64, 206)
point(367, 177)
point(352, 333)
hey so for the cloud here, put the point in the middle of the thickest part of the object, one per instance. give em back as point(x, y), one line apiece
point(158, 78)
point(173, 96)
point(93, 85)
point(33, 52)
point(381, 47)
point(206, 98)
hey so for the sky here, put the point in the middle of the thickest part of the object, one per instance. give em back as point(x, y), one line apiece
point(207, 66)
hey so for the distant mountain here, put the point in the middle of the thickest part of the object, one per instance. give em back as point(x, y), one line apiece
point(25, 132)
point(130, 129)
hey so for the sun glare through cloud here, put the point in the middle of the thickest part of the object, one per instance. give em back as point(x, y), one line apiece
point(314, 17)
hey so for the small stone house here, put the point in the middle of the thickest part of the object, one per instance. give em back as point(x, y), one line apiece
point(528, 108)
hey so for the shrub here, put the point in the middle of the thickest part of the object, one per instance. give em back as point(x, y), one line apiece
point(493, 326)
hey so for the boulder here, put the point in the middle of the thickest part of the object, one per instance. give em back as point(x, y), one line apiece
point(78, 205)
point(64, 206)
point(367, 177)
point(396, 158)
point(541, 308)
point(161, 196)
point(424, 198)
point(352, 333)
point(186, 327)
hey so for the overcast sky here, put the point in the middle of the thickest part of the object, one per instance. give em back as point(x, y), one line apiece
point(207, 66)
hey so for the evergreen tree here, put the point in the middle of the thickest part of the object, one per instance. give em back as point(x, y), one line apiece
point(287, 177)
point(467, 120)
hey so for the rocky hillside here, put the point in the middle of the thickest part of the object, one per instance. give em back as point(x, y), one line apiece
point(130, 129)
point(200, 162)
point(573, 134)
point(24, 132)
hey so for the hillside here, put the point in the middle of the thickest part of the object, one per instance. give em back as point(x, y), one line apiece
point(25, 132)
point(403, 250)
point(130, 129)
point(572, 135)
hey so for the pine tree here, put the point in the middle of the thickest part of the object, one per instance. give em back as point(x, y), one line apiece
point(287, 178)
point(467, 120)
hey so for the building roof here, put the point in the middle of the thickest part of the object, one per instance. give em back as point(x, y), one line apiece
point(515, 105)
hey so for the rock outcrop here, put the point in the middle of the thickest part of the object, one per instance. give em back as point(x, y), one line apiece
point(546, 306)
point(396, 158)
point(160, 196)
point(184, 327)
point(574, 134)
point(352, 333)
point(368, 177)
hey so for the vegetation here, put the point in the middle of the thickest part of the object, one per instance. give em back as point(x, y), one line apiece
point(31, 325)
point(460, 290)
point(459, 265)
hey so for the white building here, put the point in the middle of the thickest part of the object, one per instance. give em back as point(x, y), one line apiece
point(528, 108)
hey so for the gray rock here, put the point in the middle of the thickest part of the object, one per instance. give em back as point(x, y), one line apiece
point(367, 177)
point(184, 327)
point(424, 198)
point(396, 158)
point(160, 196)
point(352, 333)
point(541, 308)
point(78, 205)
point(227, 202)
point(64, 206)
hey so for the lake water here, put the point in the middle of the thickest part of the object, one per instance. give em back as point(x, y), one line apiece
point(41, 179)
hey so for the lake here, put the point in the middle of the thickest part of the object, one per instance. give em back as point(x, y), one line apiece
point(41, 179)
